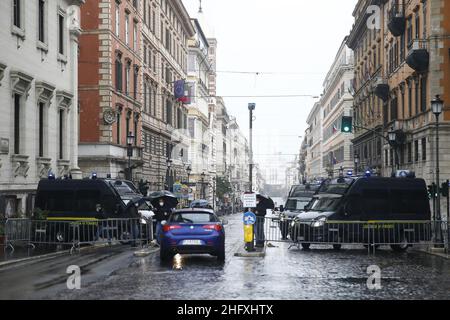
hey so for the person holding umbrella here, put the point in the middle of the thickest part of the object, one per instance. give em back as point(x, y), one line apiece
point(164, 202)
point(263, 203)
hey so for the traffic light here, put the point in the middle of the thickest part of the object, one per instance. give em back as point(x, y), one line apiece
point(444, 189)
point(347, 124)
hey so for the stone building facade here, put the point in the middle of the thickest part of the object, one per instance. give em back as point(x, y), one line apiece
point(400, 67)
point(337, 102)
point(38, 90)
point(110, 69)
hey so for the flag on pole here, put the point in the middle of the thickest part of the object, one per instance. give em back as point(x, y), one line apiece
point(179, 89)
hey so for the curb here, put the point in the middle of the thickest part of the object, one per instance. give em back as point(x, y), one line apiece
point(437, 254)
point(244, 254)
point(49, 256)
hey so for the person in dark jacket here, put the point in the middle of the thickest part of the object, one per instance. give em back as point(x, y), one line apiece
point(260, 212)
point(162, 213)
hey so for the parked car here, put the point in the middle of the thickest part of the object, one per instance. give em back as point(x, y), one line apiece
point(193, 231)
point(345, 208)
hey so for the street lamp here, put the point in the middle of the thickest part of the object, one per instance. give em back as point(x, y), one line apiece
point(436, 107)
point(188, 170)
point(392, 137)
point(169, 165)
point(130, 142)
point(203, 185)
point(356, 160)
point(251, 108)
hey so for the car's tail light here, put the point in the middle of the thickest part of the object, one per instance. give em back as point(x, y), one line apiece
point(216, 227)
point(167, 228)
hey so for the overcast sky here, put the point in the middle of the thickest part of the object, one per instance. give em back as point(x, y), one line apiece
point(296, 42)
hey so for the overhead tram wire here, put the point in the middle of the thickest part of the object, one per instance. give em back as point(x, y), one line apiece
point(258, 73)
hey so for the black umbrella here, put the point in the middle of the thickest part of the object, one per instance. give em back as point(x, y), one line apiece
point(201, 203)
point(169, 198)
point(265, 201)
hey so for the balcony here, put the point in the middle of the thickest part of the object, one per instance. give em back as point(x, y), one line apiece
point(381, 88)
point(397, 20)
point(418, 56)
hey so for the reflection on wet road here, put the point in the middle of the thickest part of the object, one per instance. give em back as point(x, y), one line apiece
point(283, 274)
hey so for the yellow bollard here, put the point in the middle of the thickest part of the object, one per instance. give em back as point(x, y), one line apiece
point(248, 233)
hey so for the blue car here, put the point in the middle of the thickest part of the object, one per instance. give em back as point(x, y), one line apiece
point(193, 231)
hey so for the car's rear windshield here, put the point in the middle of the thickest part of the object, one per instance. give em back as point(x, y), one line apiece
point(193, 217)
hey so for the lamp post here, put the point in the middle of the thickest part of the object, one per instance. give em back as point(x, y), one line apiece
point(392, 137)
point(130, 142)
point(203, 185)
point(251, 108)
point(436, 107)
point(169, 165)
point(356, 160)
point(188, 170)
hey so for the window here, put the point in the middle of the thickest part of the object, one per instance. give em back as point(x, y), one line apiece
point(17, 114)
point(145, 97)
point(119, 123)
point(410, 98)
point(127, 124)
point(145, 54)
point(61, 38)
point(409, 31)
point(169, 111)
point(423, 94)
point(17, 18)
point(127, 24)
point(416, 96)
point(117, 19)
point(41, 21)
point(417, 25)
point(424, 149)
point(424, 24)
point(127, 78)
point(416, 151)
point(119, 72)
point(135, 37)
point(61, 133)
point(409, 151)
point(135, 81)
point(41, 129)
point(136, 123)
point(394, 107)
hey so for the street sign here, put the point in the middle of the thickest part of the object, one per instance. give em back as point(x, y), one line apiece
point(249, 218)
point(249, 200)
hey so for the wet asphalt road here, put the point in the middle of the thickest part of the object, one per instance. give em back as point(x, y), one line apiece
point(320, 273)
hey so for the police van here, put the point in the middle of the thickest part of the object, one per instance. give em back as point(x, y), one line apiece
point(89, 200)
point(394, 211)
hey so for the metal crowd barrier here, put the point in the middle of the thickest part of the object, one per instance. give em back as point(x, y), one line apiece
point(25, 232)
point(369, 233)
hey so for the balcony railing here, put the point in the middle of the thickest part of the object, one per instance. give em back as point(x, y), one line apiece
point(397, 21)
point(418, 56)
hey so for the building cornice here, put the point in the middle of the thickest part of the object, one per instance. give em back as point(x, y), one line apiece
point(184, 17)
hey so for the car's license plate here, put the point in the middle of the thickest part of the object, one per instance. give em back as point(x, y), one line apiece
point(301, 238)
point(192, 242)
